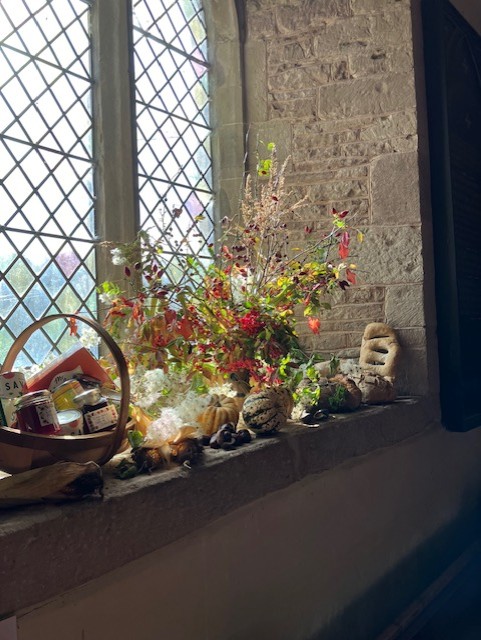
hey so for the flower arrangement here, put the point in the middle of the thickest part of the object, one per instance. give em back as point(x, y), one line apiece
point(235, 318)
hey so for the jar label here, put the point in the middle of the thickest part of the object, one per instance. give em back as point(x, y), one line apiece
point(12, 384)
point(102, 418)
point(7, 412)
point(63, 396)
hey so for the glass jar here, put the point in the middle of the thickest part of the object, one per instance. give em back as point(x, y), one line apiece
point(98, 414)
point(36, 413)
point(63, 395)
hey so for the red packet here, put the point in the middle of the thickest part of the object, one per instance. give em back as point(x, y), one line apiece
point(76, 360)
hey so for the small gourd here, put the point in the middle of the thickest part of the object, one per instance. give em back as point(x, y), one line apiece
point(221, 409)
point(265, 412)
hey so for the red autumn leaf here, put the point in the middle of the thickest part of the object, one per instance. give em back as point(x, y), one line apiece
point(185, 328)
point(170, 315)
point(314, 325)
point(351, 276)
point(343, 251)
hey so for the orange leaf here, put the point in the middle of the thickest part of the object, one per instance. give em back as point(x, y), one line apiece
point(73, 326)
point(314, 325)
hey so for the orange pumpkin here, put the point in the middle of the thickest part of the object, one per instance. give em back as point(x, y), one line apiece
point(221, 409)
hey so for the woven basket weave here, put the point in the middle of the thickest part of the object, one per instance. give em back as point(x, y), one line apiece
point(20, 451)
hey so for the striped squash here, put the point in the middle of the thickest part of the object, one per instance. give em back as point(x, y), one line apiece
point(265, 412)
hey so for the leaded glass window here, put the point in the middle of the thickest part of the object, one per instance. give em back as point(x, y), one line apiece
point(49, 218)
point(173, 130)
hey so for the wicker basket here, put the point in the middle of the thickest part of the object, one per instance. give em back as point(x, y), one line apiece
point(20, 451)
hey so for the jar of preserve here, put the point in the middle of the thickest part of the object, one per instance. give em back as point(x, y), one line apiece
point(63, 395)
point(36, 413)
point(98, 413)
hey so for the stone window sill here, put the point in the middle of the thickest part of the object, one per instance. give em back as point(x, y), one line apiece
point(47, 550)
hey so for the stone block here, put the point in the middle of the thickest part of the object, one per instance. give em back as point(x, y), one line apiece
point(413, 374)
point(230, 149)
point(374, 96)
point(393, 28)
point(380, 60)
point(311, 137)
point(338, 190)
point(405, 305)
point(336, 173)
point(354, 338)
point(395, 189)
point(362, 313)
point(394, 125)
point(312, 14)
point(260, 24)
point(412, 338)
point(224, 15)
point(354, 124)
point(360, 295)
point(300, 94)
point(290, 50)
point(330, 163)
point(330, 341)
point(348, 326)
point(228, 197)
point(364, 152)
point(299, 78)
point(255, 72)
point(344, 36)
point(293, 109)
point(392, 255)
point(227, 105)
point(375, 6)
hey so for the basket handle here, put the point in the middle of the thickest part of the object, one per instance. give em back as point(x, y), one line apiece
point(117, 354)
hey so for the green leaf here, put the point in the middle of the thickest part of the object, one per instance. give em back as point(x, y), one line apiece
point(136, 438)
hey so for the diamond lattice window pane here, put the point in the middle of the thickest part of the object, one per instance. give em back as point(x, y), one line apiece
point(46, 169)
point(173, 130)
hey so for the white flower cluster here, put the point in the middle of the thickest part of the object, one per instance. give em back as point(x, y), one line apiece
point(107, 298)
point(89, 338)
point(166, 396)
point(117, 257)
point(163, 428)
point(154, 391)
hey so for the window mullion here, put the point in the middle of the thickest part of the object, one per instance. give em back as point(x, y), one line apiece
point(114, 138)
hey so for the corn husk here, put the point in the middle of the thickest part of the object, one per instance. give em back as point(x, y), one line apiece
point(55, 483)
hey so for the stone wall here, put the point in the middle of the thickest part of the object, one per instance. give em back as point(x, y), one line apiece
point(332, 82)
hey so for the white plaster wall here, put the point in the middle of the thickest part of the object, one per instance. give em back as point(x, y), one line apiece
point(284, 566)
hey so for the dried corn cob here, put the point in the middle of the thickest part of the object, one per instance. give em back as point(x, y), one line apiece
point(60, 481)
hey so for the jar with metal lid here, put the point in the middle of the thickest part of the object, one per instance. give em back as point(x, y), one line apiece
point(36, 413)
point(63, 395)
point(98, 413)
